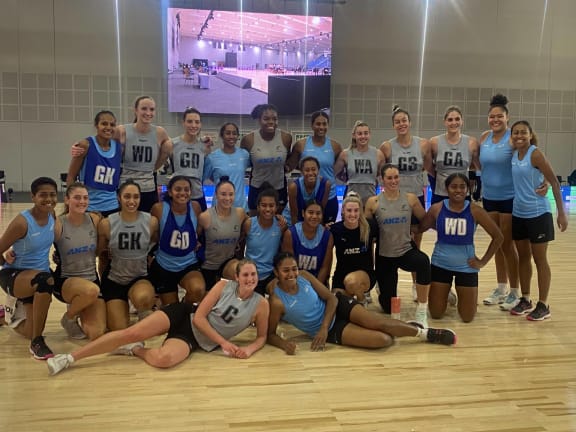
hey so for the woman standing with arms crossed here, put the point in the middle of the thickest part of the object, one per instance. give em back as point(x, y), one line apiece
point(411, 154)
point(98, 165)
point(176, 262)
point(229, 161)
point(228, 309)
point(452, 152)
point(361, 162)
point(326, 151)
point(268, 147)
point(392, 210)
point(28, 281)
point(454, 257)
point(532, 224)
point(219, 229)
point(124, 239)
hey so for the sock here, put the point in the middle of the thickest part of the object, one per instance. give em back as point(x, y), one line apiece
point(422, 306)
point(422, 334)
point(502, 287)
point(515, 291)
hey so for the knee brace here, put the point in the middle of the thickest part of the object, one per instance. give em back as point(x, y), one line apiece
point(44, 282)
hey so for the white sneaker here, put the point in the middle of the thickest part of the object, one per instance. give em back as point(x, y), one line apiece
point(414, 293)
point(452, 298)
point(131, 308)
point(510, 302)
point(421, 316)
point(497, 297)
point(72, 328)
point(127, 349)
point(58, 363)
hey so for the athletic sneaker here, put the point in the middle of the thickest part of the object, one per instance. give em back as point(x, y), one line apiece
point(441, 336)
point(58, 363)
point(421, 316)
point(39, 349)
point(522, 308)
point(540, 313)
point(497, 297)
point(72, 327)
point(511, 301)
point(127, 349)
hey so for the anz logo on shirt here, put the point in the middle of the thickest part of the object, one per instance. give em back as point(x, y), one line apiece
point(395, 220)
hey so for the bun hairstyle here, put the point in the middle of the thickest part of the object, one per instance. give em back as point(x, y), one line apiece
point(499, 101)
point(396, 109)
point(225, 180)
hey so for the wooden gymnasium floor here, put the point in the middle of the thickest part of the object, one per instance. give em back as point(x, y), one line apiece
point(505, 374)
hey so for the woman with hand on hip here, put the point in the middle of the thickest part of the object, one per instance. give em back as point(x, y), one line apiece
point(454, 257)
point(532, 224)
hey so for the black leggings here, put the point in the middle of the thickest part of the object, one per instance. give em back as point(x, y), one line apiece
point(387, 273)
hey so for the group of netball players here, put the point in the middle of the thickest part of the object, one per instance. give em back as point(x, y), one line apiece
point(202, 275)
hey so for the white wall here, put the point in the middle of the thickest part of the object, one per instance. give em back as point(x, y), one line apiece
point(63, 60)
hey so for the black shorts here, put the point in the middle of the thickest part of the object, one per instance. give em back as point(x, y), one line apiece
point(463, 279)
point(261, 287)
point(500, 206)
point(253, 193)
point(180, 323)
point(201, 201)
point(111, 290)
point(106, 213)
point(538, 230)
point(414, 220)
point(330, 211)
point(166, 281)
point(59, 282)
point(211, 277)
point(341, 317)
point(7, 278)
point(147, 200)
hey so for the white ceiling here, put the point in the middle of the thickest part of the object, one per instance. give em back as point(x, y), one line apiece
point(264, 30)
